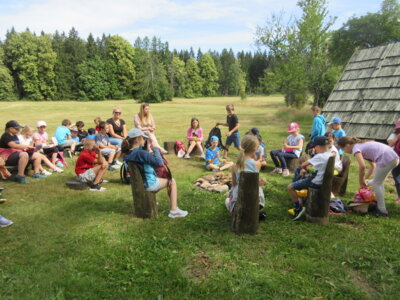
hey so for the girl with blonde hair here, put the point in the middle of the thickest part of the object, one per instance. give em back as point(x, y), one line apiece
point(245, 162)
point(144, 121)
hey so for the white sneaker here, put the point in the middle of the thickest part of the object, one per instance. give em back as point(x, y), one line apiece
point(276, 170)
point(5, 222)
point(117, 162)
point(285, 173)
point(187, 156)
point(58, 170)
point(177, 213)
point(46, 173)
point(203, 157)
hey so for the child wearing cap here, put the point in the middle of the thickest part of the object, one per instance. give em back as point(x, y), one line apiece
point(133, 147)
point(213, 160)
point(233, 135)
point(338, 132)
point(315, 165)
point(91, 166)
point(382, 159)
point(40, 139)
point(394, 142)
point(292, 148)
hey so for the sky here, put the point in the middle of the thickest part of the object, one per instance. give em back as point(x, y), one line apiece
point(183, 24)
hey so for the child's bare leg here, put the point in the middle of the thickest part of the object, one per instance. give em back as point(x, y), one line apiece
point(226, 166)
point(111, 157)
point(47, 162)
point(117, 155)
point(293, 194)
point(36, 159)
point(226, 152)
point(73, 145)
point(54, 157)
point(22, 163)
point(99, 170)
point(200, 147)
point(192, 144)
point(212, 167)
point(173, 195)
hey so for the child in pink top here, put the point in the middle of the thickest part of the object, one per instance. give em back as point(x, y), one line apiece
point(382, 159)
point(195, 137)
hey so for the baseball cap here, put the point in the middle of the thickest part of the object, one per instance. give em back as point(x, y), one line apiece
point(74, 129)
point(255, 131)
point(135, 132)
point(13, 124)
point(292, 127)
point(41, 123)
point(214, 138)
point(321, 141)
point(336, 120)
point(397, 125)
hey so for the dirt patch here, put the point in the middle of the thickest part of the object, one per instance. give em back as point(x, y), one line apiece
point(362, 283)
point(349, 224)
point(199, 266)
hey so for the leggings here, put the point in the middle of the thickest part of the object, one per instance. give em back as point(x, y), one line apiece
point(396, 177)
point(282, 158)
point(377, 183)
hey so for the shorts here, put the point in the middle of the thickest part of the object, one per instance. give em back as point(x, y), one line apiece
point(107, 151)
point(88, 176)
point(304, 184)
point(155, 187)
point(233, 138)
point(67, 143)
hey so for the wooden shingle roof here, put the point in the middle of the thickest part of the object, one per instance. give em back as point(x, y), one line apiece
point(367, 96)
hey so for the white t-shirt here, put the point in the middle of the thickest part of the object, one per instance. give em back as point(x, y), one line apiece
point(23, 141)
point(319, 163)
point(294, 141)
point(338, 162)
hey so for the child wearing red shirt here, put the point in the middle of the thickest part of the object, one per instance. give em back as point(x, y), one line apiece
point(91, 166)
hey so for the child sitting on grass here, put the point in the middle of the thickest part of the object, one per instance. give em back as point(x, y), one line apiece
point(245, 162)
point(91, 166)
point(110, 151)
point(233, 135)
point(213, 161)
point(315, 165)
point(133, 147)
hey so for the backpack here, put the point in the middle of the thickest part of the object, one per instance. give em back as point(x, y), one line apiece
point(125, 174)
point(215, 132)
point(163, 171)
point(179, 145)
point(397, 148)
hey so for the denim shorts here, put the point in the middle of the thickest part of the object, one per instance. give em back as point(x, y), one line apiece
point(155, 187)
point(304, 184)
point(233, 138)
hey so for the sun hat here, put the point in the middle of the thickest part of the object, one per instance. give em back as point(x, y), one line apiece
point(13, 124)
point(214, 138)
point(40, 124)
point(336, 120)
point(135, 132)
point(292, 127)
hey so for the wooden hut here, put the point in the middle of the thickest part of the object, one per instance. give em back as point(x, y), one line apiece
point(367, 96)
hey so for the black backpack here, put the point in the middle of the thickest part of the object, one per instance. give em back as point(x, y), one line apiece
point(215, 132)
point(125, 174)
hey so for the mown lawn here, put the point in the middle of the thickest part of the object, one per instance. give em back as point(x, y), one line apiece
point(68, 244)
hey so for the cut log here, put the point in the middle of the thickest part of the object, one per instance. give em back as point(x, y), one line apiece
point(292, 164)
point(196, 150)
point(77, 185)
point(170, 147)
point(246, 210)
point(339, 184)
point(317, 205)
point(144, 203)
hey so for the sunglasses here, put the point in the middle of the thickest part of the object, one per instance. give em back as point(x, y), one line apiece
point(117, 112)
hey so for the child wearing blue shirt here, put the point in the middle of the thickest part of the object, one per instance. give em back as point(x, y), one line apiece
point(213, 160)
point(338, 132)
point(63, 135)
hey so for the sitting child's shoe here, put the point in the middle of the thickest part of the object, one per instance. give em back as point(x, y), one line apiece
point(59, 164)
point(262, 216)
point(276, 171)
point(46, 173)
point(20, 179)
point(97, 188)
point(38, 175)
point(177, 213)
point(380, 213)
point(202, 157)
point(5, 222)
point(187, 156)
point(298, 213)
point(2, 199)
point(285, 173)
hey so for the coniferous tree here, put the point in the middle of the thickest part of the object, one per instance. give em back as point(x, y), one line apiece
point(194, 82)
point(208, 72)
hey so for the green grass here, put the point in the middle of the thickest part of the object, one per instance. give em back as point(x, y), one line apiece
point(68, 244)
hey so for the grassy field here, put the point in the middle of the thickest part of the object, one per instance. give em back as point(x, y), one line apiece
point(68, 244)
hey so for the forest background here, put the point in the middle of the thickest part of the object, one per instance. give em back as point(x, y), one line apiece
point(297, 56)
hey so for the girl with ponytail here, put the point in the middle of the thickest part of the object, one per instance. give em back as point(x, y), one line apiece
point(382, 159)
point(245, 162)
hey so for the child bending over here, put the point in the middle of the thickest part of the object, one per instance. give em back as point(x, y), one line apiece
point(245, 162)
point(133, 147)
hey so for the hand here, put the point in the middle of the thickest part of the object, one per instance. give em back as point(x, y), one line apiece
point(229, 134)
point(303, 172)
point(363, 184)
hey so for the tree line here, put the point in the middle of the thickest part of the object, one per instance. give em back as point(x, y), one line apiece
point(299, 58)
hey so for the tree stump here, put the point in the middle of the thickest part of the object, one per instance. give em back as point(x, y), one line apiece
point(246, 211)
point(144, 203)
point(339, 183)
point(317, 205)
point(292, 163)
point(170, 147)
point(77, 185)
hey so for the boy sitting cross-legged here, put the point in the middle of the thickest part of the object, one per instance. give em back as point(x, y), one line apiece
point(91, 166)
point(213, 160)
point(106, 149)
point(316, 166)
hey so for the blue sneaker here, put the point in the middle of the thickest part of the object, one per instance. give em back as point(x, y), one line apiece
point(38, 175)
point(20, 179)
point(5, 222)
point(59, 164)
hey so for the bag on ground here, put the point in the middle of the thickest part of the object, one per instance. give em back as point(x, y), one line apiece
point(215, 132)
